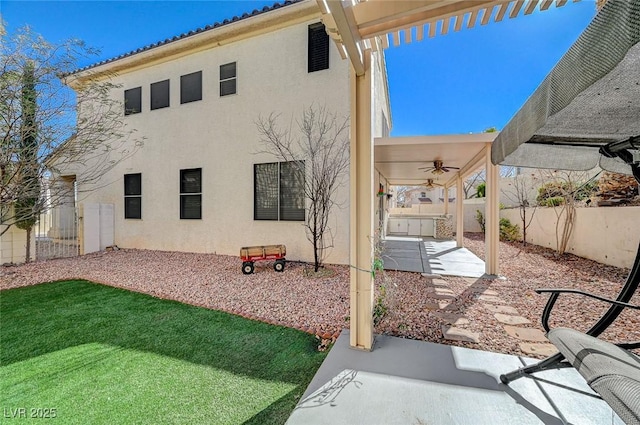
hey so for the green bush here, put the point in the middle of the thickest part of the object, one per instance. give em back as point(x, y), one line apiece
point(553, 202)
point(480, 219)
point(481, 190)
point(508, 231)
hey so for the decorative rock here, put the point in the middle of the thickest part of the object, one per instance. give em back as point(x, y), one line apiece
point(491, 299)
point(452, 318)
point(525, 334)
point(538, 349)
point(511, 320)
point(326, 335)
point(458, 334)
point(503, 309)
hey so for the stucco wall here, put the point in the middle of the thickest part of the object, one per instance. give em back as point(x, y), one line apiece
point(606, 235)
point(219, 135)
point(13, 245)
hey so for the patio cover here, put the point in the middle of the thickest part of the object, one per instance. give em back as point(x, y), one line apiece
point(590, 99)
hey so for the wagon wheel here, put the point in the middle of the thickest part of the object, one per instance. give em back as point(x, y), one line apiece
point(279, 265)
point(247, 267)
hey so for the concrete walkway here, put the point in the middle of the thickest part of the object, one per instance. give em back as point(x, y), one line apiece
point(430, 256)
point(414, 382)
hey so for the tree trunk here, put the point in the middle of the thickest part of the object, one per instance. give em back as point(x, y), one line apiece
point(524, 226)
point(315, 253)
point(28, 251)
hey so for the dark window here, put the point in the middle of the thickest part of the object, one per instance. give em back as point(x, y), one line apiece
point(160, 94)
point(318, 48)
point(133, 101)
point(279, 191)
point(133, 196)
point(228, 79)
point(191, 87)
point(191, 193)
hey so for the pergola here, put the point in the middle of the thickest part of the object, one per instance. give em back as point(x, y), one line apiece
point(360, 28)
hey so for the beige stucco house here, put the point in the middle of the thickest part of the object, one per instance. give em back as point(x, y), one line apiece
point(198, 183)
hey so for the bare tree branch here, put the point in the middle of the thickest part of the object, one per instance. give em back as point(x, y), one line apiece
point(319, 147)
point(80, 134)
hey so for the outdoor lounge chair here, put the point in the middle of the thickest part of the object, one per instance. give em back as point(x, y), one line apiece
point(610, 370)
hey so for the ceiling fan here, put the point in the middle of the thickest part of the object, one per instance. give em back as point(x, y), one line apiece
point(438, 167)
point(430, 184)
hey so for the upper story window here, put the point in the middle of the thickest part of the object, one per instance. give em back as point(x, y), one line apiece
point(191, 193)
point(279, 191)
point(318, 52)
point(133, 101)
point(228, 79)
point(133, 196)
point(191, 87)
point(160, 94)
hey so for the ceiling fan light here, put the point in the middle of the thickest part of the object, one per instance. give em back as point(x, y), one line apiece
point(437, 171)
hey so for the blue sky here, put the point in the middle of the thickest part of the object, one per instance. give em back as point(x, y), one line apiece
point(462, 82)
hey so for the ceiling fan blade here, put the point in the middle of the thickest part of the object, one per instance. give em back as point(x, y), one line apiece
point(426, 168)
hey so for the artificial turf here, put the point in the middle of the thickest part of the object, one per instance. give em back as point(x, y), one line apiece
point(93, 354)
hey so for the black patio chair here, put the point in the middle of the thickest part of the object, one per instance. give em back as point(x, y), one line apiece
point(609, 369)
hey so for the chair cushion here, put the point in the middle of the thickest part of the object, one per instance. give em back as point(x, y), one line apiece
point(611, 371)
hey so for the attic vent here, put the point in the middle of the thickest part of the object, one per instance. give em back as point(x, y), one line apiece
point(318, 47)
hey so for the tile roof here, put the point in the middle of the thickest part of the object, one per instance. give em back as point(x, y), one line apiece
point(182, 36)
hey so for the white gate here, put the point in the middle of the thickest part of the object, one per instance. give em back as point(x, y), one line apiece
point(97, 227)
point(56, 233)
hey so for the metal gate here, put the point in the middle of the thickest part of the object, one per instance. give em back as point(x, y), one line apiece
point(56, 233)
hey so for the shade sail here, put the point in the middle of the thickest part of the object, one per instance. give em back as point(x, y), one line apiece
point(590, 99)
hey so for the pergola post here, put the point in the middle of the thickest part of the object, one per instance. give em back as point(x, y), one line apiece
point(459, 212)
point(446, 199)
point(362, 212)
point(492, 214)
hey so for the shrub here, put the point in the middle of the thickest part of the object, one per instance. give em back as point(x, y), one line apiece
point(553, 202)
point(480, 219)
point(508, 231)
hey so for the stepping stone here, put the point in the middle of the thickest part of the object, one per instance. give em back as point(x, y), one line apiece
point(439, 282)
point(470, 280)
point(458, 334)
point(483, 291)
point(538, 349)
point(503, 309)
point(431, 275)
point(443, 290)
point(525, 334)
point(511, 320)
point(452, 318)
point(442, 305)
point(491, 299)
point(444, 294)
point(431, 306)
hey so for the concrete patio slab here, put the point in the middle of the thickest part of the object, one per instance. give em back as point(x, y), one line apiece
point(431, 257)
point(413, 382)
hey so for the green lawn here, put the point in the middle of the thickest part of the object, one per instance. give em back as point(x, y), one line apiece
point(101, 355)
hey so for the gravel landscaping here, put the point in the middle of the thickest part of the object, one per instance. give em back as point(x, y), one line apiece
point(321, 305)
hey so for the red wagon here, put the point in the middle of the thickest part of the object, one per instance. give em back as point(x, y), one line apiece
point(251, 254)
